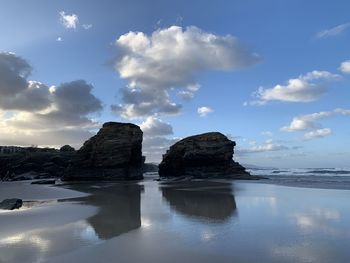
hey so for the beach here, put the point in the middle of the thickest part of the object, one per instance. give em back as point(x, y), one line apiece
point(197, 221)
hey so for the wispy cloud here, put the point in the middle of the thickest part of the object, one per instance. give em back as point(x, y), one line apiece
point(87, 26)
point(267, 146)
point(319, 133)
point(334, 31)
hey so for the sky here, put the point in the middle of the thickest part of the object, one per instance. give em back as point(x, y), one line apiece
point(272, 75)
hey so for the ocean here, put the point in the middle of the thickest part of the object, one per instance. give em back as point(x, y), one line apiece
point(335, 178)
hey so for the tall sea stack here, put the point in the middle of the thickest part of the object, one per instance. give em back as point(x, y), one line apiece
point(114, 153)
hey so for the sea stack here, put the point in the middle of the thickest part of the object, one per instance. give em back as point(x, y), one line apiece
point(207, 155)
point(114, 153)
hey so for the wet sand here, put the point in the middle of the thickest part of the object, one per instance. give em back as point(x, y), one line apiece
point(178, 222)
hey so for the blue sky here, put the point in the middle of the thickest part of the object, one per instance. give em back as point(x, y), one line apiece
point(208, 80)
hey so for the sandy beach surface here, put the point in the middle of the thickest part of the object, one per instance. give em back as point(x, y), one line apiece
point(198, 221)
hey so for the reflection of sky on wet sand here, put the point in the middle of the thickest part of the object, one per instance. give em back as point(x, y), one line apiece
point(200, 222)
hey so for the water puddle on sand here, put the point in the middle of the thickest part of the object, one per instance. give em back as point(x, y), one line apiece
point(180, 222)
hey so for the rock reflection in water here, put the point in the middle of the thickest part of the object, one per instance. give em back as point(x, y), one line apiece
point(202, 200)
point(119, 207)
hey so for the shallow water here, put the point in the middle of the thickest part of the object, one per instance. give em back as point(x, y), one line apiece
point(181, 222)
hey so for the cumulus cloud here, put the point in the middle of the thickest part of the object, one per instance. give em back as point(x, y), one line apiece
point(345, 67)
point(144, 102)
point(156, 138)
point(69, 21)
point(36, 96)
point(169, 59)
point(308, 123)
point(305, 88)
point(155, 147)
point(13, 74)
point(32, 112)
point(334, 31)
point(204, 111)
point(153, 126)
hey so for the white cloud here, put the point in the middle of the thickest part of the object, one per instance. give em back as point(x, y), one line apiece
point(308, 123)
point(153, 126)
point(155, 147)
point(69, 21)
point(189, 92)
point(305, 88)
point(170, 58)
point(268, 146)
point(156, 138)
point(59, 39)
point(342, 111)
point(204, 111)
point(345, 67)
point(319, 133)
point(334, 31)
point(87, 26)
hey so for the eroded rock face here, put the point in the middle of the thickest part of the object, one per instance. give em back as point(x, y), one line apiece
point(207, 155)
point(114, 153)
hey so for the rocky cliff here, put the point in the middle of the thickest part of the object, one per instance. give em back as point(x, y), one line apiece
point(207, 155)
point(114, 153)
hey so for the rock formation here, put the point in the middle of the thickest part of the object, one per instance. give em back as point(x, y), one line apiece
point(113, 154)
point(30, 164)
point(67, 148)
point(207, 155)
point(11, 204)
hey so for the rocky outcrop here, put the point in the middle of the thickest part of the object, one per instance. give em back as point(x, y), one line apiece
point(67, 148)
point(114, 153)
point(38, 164)
point(11, 204)
point(207, 155)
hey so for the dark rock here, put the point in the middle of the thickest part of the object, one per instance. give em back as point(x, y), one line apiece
point(53, 181)
point(113, 154)
point(67, 148)
point(150, 168)
point(207, 155)
point(34, 164)
point(11, 204)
